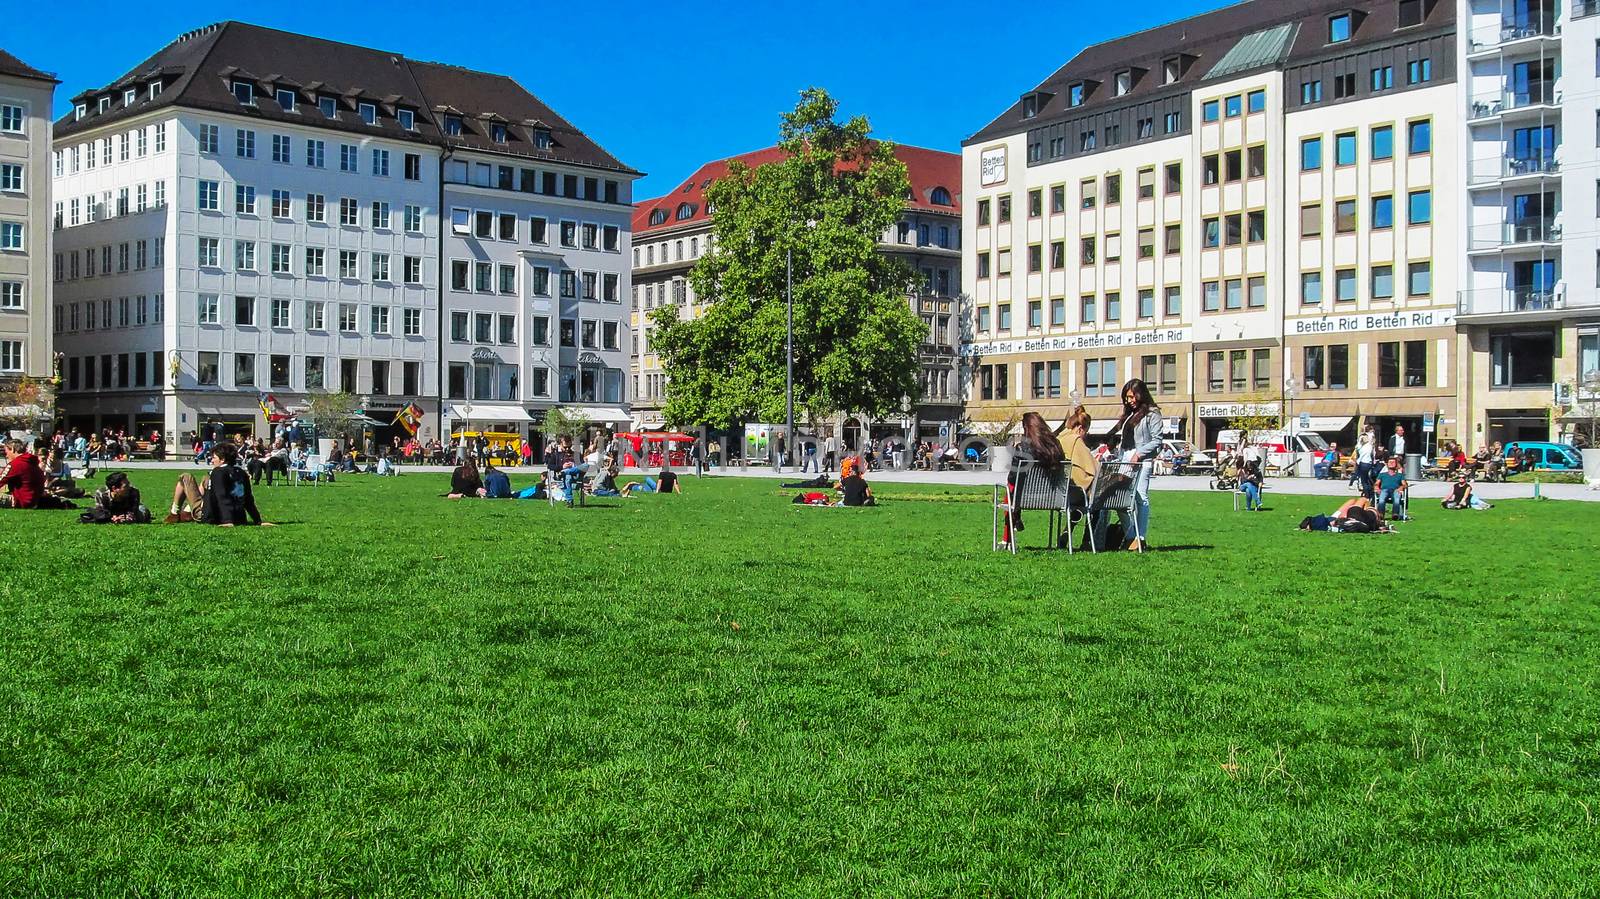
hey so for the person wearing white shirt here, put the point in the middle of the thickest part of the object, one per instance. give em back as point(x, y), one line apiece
point(1397, 443)
point(1366, 453)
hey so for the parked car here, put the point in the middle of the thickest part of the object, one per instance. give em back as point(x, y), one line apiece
point(1538, 455)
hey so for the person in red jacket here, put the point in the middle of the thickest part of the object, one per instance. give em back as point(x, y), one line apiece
point(22, 478)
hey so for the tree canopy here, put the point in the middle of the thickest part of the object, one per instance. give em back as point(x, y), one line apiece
point(829, 201)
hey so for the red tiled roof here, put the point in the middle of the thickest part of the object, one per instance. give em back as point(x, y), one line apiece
point(926, 169)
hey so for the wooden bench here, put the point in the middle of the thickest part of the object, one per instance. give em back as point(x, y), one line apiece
point(146, 449)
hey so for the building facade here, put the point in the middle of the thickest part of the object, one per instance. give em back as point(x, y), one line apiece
point(26, 95)
point(1254, 208)
point(1528, 308)
point(252, 216)
point(673, 231)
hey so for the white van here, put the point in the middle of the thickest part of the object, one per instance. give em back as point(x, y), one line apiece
point(1281, 451)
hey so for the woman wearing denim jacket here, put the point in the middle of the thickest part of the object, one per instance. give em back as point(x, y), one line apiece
point(1140, 428)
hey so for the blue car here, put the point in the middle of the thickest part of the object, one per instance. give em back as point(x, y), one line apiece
point(1537, 455)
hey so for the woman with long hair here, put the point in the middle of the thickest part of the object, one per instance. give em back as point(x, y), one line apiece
point(1040, 442)
point(1138, 434)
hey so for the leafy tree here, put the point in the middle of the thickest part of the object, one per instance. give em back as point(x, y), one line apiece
point(25, 402)
point(333, 414)
point(564, 422)
point(1256, 415)
point(855, 336)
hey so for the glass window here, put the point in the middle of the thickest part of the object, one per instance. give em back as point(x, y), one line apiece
point(1310, 288)
point(1208, 111)
point(1420, 137)
point(1383, 142)
point(1257, 101)
point(1419, 278)
point(1344, 282)
point(1344, 148)
point(1382, 282)
point(1311, 154)
point(1339, 28)
point(1419, 207)
point(1383, 212)
point(1344, 216)
point(1233, 106)
point(1311, 220)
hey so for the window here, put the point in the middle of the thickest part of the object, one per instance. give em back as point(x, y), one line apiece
point(413, 219)
point(349, 212)
point(1310, 92)
point(208, 309)
point(1382, 78)
point(244, 143)
point(1236, 370)
point(1208, 111)
point(1147, 243)
point(316, 153)
point(1344, 85)
point(1172, 123)
point(1383, 282)
point(1113, 190)
point(244, 199)
point(1344, 285)
point(244, 92)
point(1035, 314)
point(1114, 307)
point(1256, 292)
point(1339, 28)
point(1232, 232)
point(1389, 364)
point(1210, 296)
point(1313, 371)
point(11, 179)
point(1344, 216)
point(10, 294)
point(1256, 162)
point(209, 196)
point(1210, 169)
point(1035, 209)
point(1382, 142)
point(244, 255)
point(207, 251)
point(1256, 101)
point(244, 311)
point(1004, 209)
point(1211, 230)
point(1410, 13)
point(316, 262)
point(1086, 254)
point(206, 368)
point(1310, 288)
point(11, 119)
point(1255, 226)
point(1344, 148)
point(1522, 359)
point(1419, 279)
point(1420, 137)
point(1311, 220)
point(1310, 154)
point(1100, 377)
point(380, 163)
point(1382, 212)
point(983, 213)
point(316, 208)
point(1419, 71)
point(1233, 294)
point(369, 113)
point(1419, 207)
point(1174, 302)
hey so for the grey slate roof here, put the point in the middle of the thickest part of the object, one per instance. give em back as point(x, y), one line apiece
point(10, 65)
point(197, 70)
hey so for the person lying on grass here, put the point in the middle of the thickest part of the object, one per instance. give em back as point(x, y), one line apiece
point(116, 503)
point(465, 481)
point(224, 498)
point(665, 482)
point(1354, 517)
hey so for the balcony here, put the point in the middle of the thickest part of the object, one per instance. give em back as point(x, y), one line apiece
point(1529, 233)
point(1491, 171)
point(1511, 300)
point(1512, 35)
point(1518, 104)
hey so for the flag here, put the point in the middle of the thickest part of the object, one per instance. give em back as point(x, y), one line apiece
point(409, 418)
point(266, 402)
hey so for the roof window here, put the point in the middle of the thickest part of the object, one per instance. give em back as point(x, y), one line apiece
point(244, 92)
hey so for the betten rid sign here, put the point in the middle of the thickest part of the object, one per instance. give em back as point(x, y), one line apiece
point(1115, 340)
point(1374, 321)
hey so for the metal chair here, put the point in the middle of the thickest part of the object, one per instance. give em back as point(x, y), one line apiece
point(1111, 491)
point(1029, 489)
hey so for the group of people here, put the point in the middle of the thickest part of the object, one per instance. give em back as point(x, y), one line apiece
point(567, 475)
point(1064, 456)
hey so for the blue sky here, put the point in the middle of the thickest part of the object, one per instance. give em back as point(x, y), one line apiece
point(663, 85)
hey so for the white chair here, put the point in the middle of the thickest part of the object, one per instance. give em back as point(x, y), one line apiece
point(311, 468)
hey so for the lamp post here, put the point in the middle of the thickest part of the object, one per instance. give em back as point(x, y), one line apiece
point(788, 351)
point(1291, 389)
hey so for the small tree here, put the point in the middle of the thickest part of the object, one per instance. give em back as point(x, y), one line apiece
point(333, 414)
point(999, 430)
point(564, 422)
point(1256, 414)
point(25, 402)
point(1585, 411)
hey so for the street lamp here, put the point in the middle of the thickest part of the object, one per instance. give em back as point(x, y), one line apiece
point(788, 352)
point(1291, 389)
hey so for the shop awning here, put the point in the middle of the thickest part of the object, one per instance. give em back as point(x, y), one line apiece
point(486, 412)
point(1324, 424)
point(603, 414)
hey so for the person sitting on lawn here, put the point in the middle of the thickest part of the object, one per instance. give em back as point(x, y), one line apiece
point(1462, 497)
point(854, 491)
point(58, 481)
point(608, 482)
point(1391, 485)
point(665, 482)
point(117, 503)
point(223, 498)
point(22, 480)
point(465, 480)
point(496, 485)
point(1250, 483)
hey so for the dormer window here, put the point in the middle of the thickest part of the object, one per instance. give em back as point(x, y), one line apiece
point(1122, 83)
point(329, 107)
point(1171, 69)
point(1030, 106)
point(369, 113)
point(129, 95)
point(1411, 13)
point(406, 118)
point(244, 92)
point(1339, 28)
point(497, 133)
point(155, 89)
point(105, 104)
point(79, 111)
point(452, 125)
point(940, 197)
point(658, 217)
point(1075, 94)
point(685, 210)
point(285, 99)
point(541, 138)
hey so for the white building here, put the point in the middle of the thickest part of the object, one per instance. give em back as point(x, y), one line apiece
point(1528, 304)
point(1251, 207)
point(251, 212)
point(25, 108)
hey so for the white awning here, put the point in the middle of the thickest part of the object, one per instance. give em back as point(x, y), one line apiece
point(603, 414)
point(486, 412)
point(1323, 424)
point(1102, 425)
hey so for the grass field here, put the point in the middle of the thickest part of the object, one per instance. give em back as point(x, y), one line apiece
point(723, 694)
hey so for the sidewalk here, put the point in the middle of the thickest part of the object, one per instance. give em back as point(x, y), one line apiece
point(1282, 486)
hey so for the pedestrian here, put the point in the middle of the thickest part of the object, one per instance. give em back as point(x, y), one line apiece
point(779, 448)
point(809, 458)
point(1366, 453)
point(1397, 443)
point(830, 453)
point(1140, 439)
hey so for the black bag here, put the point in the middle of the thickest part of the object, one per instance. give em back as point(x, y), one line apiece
point(96, 515)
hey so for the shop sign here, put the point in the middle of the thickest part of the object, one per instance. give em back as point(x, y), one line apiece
point(992, 166)
point(1374, 321)
point(1235, 410)
point(1114, 340)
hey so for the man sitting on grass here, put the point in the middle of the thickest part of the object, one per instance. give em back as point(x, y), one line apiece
point(855, 491)
point(465, 481)
point(665, 482)
point(116, 503)
point(22, 479)
point(223, 498)
point(496, 485)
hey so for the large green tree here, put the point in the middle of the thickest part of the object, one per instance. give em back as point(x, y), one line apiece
point(829, 201)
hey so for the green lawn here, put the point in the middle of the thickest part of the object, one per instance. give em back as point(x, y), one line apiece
point(720, 693)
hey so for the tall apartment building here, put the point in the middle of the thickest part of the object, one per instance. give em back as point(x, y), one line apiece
point(673, 231)
point(1529, 312)
point(1256, 206)
point(26, 95)
point(254, 212)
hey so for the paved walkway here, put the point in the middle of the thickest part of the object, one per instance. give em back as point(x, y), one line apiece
point(1287, 486)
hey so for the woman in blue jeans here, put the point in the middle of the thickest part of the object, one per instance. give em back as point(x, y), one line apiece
point(1140, 429)
point(1250, 483)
